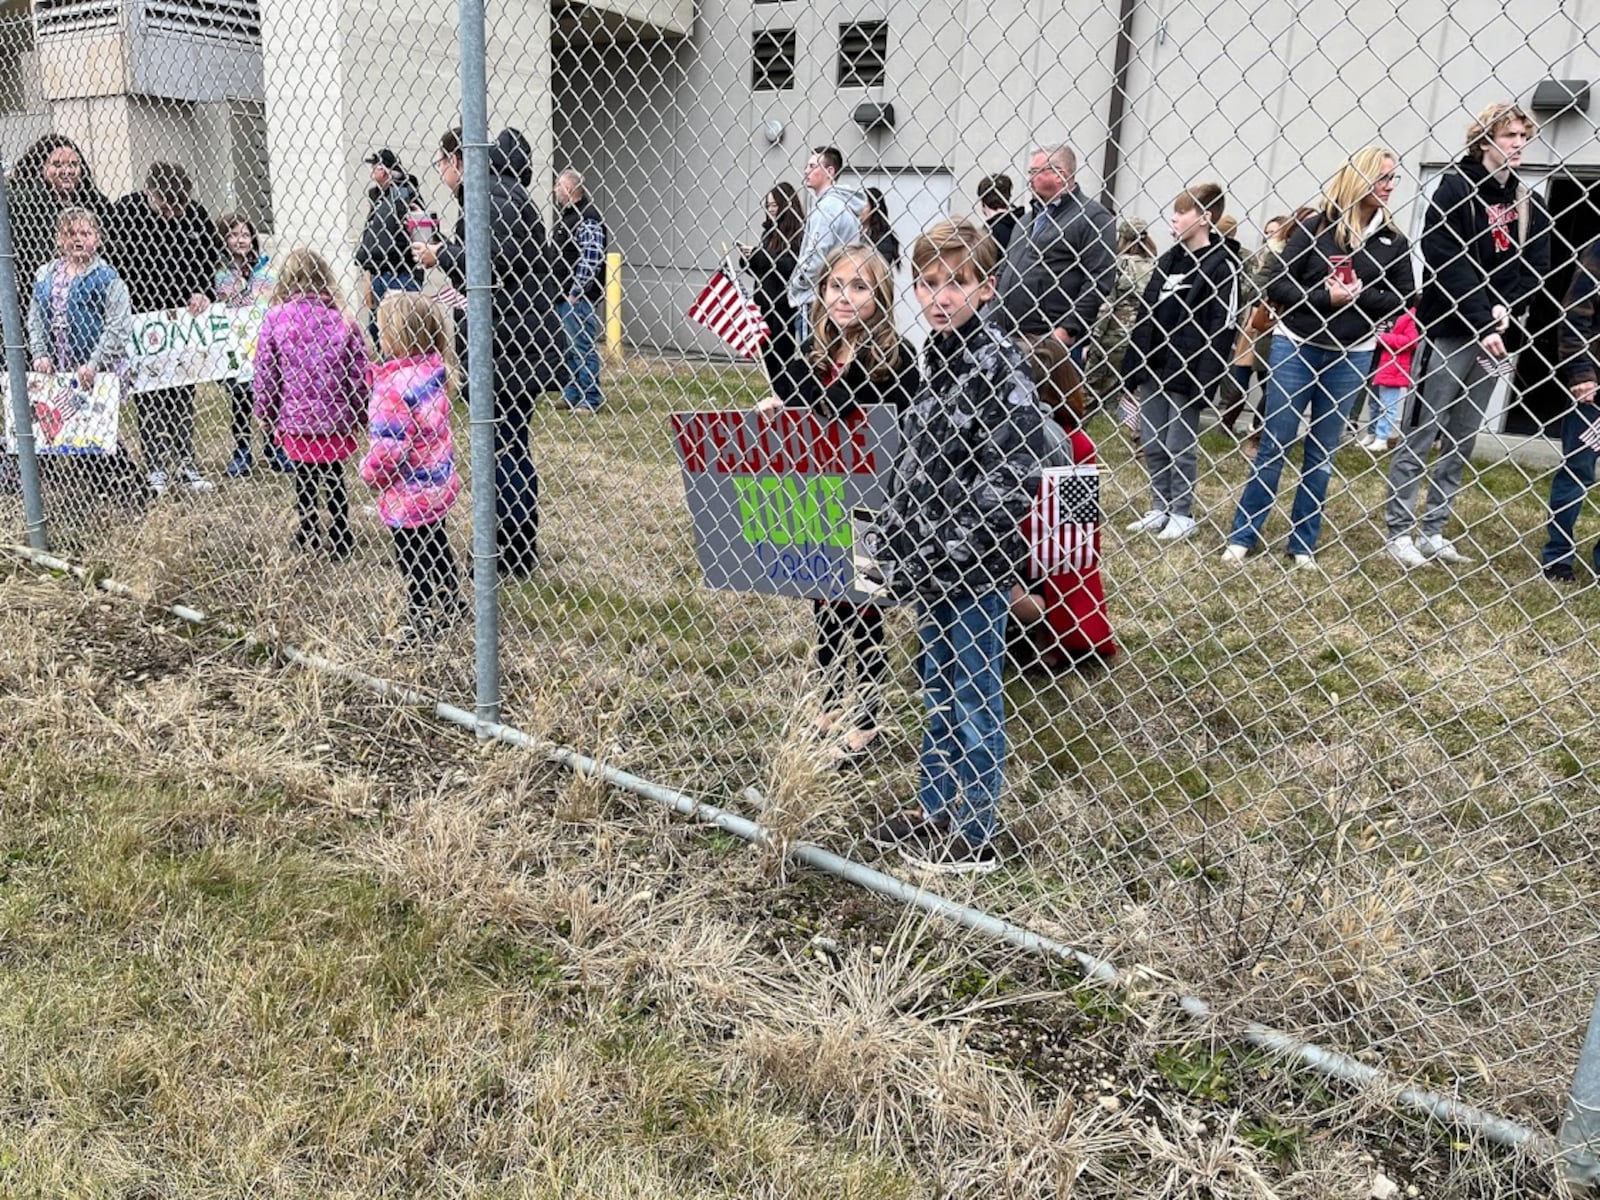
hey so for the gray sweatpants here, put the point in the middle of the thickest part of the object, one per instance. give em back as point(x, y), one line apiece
point(1449, 403)
point(1169, 434)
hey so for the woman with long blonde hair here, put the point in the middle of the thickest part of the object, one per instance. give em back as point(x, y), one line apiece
point(1345, 271)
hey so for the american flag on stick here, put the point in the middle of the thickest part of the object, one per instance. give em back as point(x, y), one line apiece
point(1064, 524)
point(1590, 437)
point(724, 309)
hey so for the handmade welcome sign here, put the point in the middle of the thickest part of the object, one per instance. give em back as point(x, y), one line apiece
point(67, 418)
point(771, 497)
point(176, 348)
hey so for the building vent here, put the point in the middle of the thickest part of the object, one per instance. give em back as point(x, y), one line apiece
point(64, 18)
point(772, 60)
point(227, 20)
point(863, 54)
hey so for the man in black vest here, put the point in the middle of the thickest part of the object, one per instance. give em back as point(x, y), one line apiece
point(581, 247)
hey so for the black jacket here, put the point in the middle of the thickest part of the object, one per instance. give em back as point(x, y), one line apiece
point(522, 268)
point(852, 388)
point(570, 254)
point(1299, 290)
point(1182, 337)
point(1057, 277)
point(1469, 244)
point(1003, 226)
point(35, 207)
point(385, 247)
point(771, 268)
point(162, 261)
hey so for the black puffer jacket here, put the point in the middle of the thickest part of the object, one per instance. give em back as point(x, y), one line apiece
point(385, 247)
point(163, 261)
point(973, 444)
point(1183, 336)
point(1299, 290)
point(522, 267)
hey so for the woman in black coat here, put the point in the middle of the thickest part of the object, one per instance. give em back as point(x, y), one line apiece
point(771, 261)
point(50, 177)
point(527, 332)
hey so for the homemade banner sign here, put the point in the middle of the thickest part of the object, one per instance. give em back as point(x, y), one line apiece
point(772, 497)
point(66, 418)
point(175, 348)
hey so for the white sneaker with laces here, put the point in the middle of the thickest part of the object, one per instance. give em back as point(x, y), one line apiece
point(196, 482)
point(1304, 562)
point(1235, 553)
point(1404, 551)
point(158, 482)
point(1436, 545)
point(1177, 528)
point(1149, 523)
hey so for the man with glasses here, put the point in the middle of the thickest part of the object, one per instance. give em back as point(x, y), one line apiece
point(834, 221)
point(1486, 247)
point(1061, 263)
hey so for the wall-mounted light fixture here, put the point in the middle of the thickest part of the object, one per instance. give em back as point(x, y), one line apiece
point(1558, 95)
point(874, 114)
point(773, 132)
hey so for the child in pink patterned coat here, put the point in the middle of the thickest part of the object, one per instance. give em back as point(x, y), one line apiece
point(412, 460)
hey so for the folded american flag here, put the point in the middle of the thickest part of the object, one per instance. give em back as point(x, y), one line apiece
point(724, 309)
point(1064, 525)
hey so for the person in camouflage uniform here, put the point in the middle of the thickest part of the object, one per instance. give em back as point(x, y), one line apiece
point(973, 446)
point(1135, 260)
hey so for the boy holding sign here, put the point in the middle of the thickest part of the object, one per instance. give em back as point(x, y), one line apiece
point(972, 446)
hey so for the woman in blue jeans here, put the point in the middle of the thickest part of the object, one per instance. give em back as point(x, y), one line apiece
point(1345, 273)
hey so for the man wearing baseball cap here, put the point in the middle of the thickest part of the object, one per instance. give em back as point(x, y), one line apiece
point(385, 249)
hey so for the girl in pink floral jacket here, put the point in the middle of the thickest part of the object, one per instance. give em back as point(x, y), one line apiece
point(412, 460)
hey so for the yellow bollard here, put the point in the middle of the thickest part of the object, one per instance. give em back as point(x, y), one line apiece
point(614, 307)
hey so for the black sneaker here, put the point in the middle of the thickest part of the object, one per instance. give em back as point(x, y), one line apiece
point(910, 828)
point(954, 855)
point(1560, 572)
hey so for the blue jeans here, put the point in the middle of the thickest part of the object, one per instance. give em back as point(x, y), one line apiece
point(1573, 478)
point(1386, 413)
point(382, 285)
point(1298, 377)
point(963, 651)
point(580, 326)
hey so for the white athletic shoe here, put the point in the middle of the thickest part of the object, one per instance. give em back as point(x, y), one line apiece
point(158, 482)
point(196, 482)
point(1404, 551)
point(1177, 528)
point(1149, 523)
point(1436, 545)
point(1304, 562)
point(1235, 554)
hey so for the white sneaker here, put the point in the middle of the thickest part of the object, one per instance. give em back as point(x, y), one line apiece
point(158, 482)
point(1304, 562)
point(1235, 553)
point(1404, 551)
point(1177, 528)
point(1436, 545)
point(1149, 523)
point(1373, 445)
point(196, 482)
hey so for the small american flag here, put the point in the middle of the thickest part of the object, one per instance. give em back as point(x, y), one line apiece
point(451, 299)
point(1130, 412)
point(1064, 524)
point(1590, 437)
point(724, 309)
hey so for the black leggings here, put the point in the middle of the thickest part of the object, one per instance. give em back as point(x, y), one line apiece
point(850, 641)
point(310, 481)
point(429, 564)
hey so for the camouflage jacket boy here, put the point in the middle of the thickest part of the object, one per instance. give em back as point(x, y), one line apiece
point(972, 446)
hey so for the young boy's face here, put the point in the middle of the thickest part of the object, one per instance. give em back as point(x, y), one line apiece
point(1185, 223)
point(951, 293)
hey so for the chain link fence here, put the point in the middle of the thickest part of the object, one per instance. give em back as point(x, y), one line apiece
point(1339, 783)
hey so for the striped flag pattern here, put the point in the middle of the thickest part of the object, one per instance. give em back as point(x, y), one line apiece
point(1129, 408)
point(1590, 437)
point(1064, 525)
point(724, 309)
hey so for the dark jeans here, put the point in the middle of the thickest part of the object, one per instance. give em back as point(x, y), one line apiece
point(516, 478)
point(850, 642)
point(166, 428)
point(428, 563)
point(1573, 478)
point(312, 481)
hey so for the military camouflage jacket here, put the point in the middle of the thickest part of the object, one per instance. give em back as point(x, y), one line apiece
point(972, 445)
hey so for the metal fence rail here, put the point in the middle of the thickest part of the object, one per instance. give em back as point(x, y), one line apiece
point(1353, 796)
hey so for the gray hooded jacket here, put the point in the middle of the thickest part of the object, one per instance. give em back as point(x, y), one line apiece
point(834, 221)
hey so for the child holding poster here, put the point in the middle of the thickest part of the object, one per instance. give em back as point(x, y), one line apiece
point(310, 387)
point(855, 358)
point(244, 284)
point(973, 447)
point(412, 459)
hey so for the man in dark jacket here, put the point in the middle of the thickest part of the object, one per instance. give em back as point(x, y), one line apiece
point(166, 249)
point(580, 247)
point(1580, 429)
point(526, 334)
point(396, 219)
point(1486, 244)
point(1061, 263)
point(1178, 352)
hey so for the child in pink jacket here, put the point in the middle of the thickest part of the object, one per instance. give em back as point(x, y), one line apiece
point(310, 382)
point(412, 460)
point(1393, 381)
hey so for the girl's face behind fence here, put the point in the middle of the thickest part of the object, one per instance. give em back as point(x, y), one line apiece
point(80, 241)
point(848, 293)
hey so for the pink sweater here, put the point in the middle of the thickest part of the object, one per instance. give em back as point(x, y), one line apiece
point(412, 460)
point(1395, 351)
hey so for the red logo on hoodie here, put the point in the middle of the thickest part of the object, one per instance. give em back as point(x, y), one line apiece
point(1500, 218)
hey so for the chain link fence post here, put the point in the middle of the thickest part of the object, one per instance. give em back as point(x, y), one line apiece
point(17, 378)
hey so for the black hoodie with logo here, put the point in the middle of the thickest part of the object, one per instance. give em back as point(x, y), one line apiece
point(1476, 253)
point(1299, 291)
point(1188, 313)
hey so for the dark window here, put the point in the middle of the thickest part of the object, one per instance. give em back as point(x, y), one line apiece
point(863, 54)
point(772, 60)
